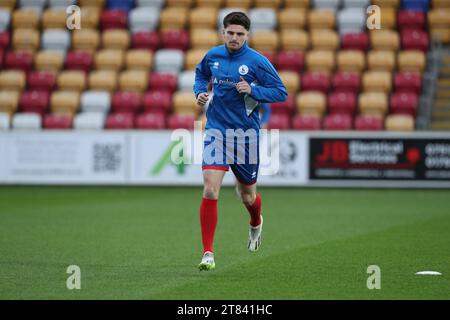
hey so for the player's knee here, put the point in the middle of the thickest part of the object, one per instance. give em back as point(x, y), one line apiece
point(210, 192)
point(248, 198)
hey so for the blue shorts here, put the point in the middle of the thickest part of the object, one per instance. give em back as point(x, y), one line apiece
point(240, 153)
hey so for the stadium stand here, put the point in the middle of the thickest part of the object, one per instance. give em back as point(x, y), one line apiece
point(132, 63)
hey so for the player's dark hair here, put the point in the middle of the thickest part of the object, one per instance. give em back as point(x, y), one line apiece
point(238, 18)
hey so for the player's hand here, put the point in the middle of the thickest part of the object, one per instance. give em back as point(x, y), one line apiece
point(202, 98)
point(243, 87)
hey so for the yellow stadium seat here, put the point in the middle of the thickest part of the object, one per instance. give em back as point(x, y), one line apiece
point(275, 4)
point(25, 19)
point(203, 18)
point(388, 18)
point(242, 4)
point(291, 81)
point(72, 81)
point(311, 103)
point(321, 61)
point(133, 80)
point(399, 122)
point(204, 38)
point(185, 103)
point(321, 19)
point(294, 40)
point(54, 19)
point(139, 59)
point(90, 17)
point(179, 3)
point(439, 18)
point(373, 103)
point(9, 101)
point(386, 3)
point(91, 3)
point(109, 59)
point(411, 61)
point(324, 39)
point(12, 80)
point(440, 4)
point(377, 81)
point(86, 39)
point(193, 58)
point(65, 102)
point(26, 40)
point(292, 18)
point(351, 61)
point(441, 34)
point(209, 3)
point(116, 39)
point(380, 60)
point(385, 40)
point(103, 80)
point(297, 3)
point(265, 41)
point(8, 5)
point(49, 61)
point(173, 18)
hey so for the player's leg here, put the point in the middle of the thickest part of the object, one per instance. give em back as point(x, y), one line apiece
point(212, 179)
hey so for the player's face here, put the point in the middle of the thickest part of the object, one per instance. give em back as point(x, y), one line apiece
point(235, 36)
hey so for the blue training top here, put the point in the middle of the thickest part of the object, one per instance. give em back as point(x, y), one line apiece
point(229, 109)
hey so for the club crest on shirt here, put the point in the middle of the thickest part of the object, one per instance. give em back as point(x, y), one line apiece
point(243, 70)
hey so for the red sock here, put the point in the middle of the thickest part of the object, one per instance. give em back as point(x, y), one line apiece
point(208, 221)
point(255, 211)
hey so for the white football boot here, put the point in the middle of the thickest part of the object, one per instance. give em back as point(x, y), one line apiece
point(207, 262)
point(254, 237)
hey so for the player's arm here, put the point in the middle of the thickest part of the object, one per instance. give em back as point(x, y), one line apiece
point(202, 77)
point(270, 88)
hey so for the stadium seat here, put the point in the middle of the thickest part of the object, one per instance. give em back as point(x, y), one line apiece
point(57, 122)
point(346, 82)
point(404, 103)
point(338, 122)
point(411, 20)
point(241, 4)
point(265, 40)
point(96, 101)
point(152, 120)
point(351, 20)
point(9, 101)
point(373, 103)
point(180, 3)
point(369, 123)
point(65, 102)
point(37, 5)
point(290, 61)
point(5, 39)
point(169, 60)
point(109, 59)
point(125, 5)
point(103, 80)
point(321, 19)
point(5, 19)
point(2, 54)
point(145, 40)
point(297, 3)
point(5, 121)
point(320, 61)
point(90, 17)
point(270, 55)
point(204, 38)
point(355, 41)
point(94, 3)
point(315, 81)
point(144, 19)
point(386, 3)
point(273, 4)
point(193, 58)
point(356, 3)
point(418, 5)
point(326, 4)
point(388, 17)
point(385, 40)
point(86, 40)
point(186, 80)
point(27, 121)
point(311, 103)
point(163, 81)
point(120, 121)
point(173, 18)
point(157, 101)
point(34, 101)
point(408, 82)
point(306, 122)
point(292, 18)
point(89, 121)
point(19, 60)
point(379, 60)
point(41, 80)
point(411, 61)
point(79, 60)
point(279, 121)
point(181, 121)
point(116, 39)
point(57, 40)
point(351, 61)
point(50, 61)
point(324, 39)
point(25, 40)
point(139, 59)
point(114, 19)
point(294, 40)
point(342, 103)
point(377, 81)
point(185, 103)
point(263, 19)
point(72, 80)
point(133, 80)
point(25, 19)
point(175, 39)
point(130, 102)
point(285, 107)
point(54, 19)
point(203, 18)
point(399, 122)
point(8, 5)
point(415, 40)
point(12, 80)
point(291, 81)
point(209, 3)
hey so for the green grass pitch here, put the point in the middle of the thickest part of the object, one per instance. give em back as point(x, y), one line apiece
point(145, 243)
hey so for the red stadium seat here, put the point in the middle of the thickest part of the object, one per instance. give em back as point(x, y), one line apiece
point(163, 81)
point(411, 19)
point(415, 40)
point(279, 121)
point(290, 61)
point(369, 123)
point(157, 101)
point(181, 121)
point(19, 60)
point(408, 82)
point(270, 55)
point(126, 102)
point(41, 80)
point(285, 107)
point(175, 39)
point(342, 102)
point(1, 58)
point(306, 122)
point(404, 103)
point(315, 81)
point(355, 41)
point(151, 121)
point(58, 121)
point(114, 19)
point(145, 40)
point(79, 60)
point(35, 101)
point(346, 82)
point(5, 39)
point(337, 122)
point(120, 120)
